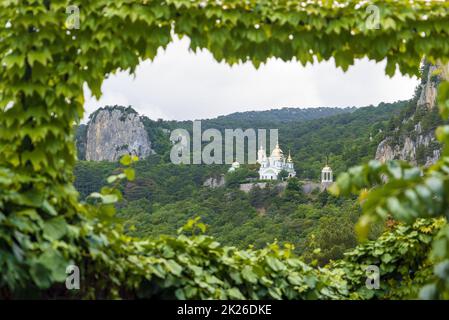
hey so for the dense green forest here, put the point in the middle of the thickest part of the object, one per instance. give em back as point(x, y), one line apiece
point(250, 119)
point(164, 196)
point(253, 219)
point(346, 140)
point(346, 136)
point(272, 118)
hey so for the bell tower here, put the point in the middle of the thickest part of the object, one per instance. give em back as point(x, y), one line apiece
point(326, 176)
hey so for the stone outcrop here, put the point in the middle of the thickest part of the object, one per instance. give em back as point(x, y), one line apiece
point(428, 94)
point(115, 131)
point(214, 182)
point(416, 146)
point(408, 149)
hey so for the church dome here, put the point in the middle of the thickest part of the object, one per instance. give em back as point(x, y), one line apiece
point(277, 152)
point(326, 169)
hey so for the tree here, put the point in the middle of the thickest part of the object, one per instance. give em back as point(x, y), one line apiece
point(283, 174)
point(294, 192)
point(333, 236)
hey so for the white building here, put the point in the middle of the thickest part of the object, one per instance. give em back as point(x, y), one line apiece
point(234, 166)
point(326, 177)
point(271, 166)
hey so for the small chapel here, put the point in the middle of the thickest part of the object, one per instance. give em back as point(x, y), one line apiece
point(327, 177)
point(271, 166)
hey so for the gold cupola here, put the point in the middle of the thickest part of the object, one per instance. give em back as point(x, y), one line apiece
point(277, 153)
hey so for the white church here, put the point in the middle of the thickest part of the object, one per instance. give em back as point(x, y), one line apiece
point(271, 166)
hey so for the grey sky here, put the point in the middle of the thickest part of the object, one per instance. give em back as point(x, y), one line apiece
point(182, 85)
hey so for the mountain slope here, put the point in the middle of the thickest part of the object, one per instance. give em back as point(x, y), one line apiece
point(158, 130)
point(411, 134)
point(164, 195)
point(346, 139)
point(269, 118)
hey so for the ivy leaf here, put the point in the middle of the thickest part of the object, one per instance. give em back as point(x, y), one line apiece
point(43, 57)
point(55, 228)
point(126, 160)
point(275, 264)
point(12, 60)
point(130, 174)
point(443, 99)
point(173, 267)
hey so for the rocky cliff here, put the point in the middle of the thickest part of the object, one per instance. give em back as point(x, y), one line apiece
point(115, 131)
point(215, 182)
point(412, 134)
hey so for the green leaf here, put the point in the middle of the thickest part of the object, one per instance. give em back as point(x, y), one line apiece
point(173, 267)
point(49, 208)
point(443, 99)
point(109, 198)
point(248, 274)
point(111, 179)
point(275, 264)
point(43, 57)
point(126, 160)
point(130, 174)
point(55, 228)
point(235, 293)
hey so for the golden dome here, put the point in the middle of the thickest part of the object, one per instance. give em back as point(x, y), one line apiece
point(289, 159)
point(277, 152)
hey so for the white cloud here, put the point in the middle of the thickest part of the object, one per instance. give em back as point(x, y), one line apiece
point(181, 85)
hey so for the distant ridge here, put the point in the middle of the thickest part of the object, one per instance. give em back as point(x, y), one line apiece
point(276, 116)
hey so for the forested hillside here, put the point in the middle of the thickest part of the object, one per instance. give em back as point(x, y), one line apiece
point(274, 117)
point(346, 136)
point(164, 196)
point(157, 129)
point(346, 139)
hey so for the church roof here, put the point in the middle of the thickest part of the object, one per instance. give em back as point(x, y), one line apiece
point(277, 152)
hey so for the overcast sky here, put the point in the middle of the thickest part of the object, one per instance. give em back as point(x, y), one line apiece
point(182, 85)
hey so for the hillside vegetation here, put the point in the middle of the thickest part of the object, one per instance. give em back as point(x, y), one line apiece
point(164, 196)
point(44, 227)
point(346, 136)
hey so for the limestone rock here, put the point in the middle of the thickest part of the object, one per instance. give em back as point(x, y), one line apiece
point(215, 182)
point(428, 94)
point(416, 146)
point(115, 131)
point(408, 149)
